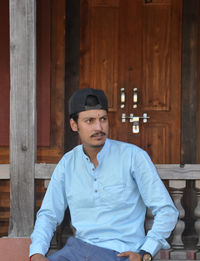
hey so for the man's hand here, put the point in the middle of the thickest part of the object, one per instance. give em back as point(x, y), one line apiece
point(38, 257)
point(131, 255)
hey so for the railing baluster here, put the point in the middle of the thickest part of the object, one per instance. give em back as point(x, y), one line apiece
point(177, 189)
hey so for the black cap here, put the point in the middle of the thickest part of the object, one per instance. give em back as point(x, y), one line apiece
point(77, 102)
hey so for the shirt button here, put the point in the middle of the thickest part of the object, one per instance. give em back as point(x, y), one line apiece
point(95, 179)
point(96, 190)
point(93, 169)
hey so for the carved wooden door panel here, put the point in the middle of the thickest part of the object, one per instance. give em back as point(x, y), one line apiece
point(132, 50)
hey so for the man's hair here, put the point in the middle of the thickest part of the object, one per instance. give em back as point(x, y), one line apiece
point(90, 102)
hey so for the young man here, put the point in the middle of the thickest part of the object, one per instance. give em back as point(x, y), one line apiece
point(107, 186)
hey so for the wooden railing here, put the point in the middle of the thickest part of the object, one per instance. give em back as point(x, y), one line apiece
point(176, 177)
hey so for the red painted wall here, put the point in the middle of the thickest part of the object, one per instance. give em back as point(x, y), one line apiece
point(4, 73)
point(43, 72)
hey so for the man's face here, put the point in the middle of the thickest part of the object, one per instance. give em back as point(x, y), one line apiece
point(92, 127)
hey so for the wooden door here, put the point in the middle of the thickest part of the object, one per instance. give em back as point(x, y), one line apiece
point(136, 45)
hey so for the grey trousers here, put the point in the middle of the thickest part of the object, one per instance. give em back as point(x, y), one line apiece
point(78, 250)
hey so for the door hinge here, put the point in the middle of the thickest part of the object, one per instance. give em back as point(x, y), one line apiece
point(148, 1)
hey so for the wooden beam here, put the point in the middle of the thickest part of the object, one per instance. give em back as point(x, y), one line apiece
point(198, 94)
point(44, 171)
point(166, 171)
point(72, 64)
point(22, 116)
point(178, 172)
point(4, 171)
point(189, 84)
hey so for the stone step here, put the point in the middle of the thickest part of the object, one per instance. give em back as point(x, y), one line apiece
point(14, 249)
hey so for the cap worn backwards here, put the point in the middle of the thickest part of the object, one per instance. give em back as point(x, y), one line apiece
point(77, 102)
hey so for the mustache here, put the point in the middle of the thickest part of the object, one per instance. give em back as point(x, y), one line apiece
point(98, 133)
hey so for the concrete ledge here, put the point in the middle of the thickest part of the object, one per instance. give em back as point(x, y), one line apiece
point(175, 255)
point(14, 249)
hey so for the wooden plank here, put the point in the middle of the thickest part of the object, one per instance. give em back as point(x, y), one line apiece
point(54, 152)
point(72, 64)
point(198, 93)
point(4, 74)
point(4, 171)
point(189, 81)
point(176, 171)
point(166, 171)
point(189, 108)
point(22, 116)
point(44, 171)
point(43, 71)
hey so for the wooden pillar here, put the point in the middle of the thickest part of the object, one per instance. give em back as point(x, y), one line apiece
point(72, 64)
point(189, 81)
point(189, 108)
point(197, 212)
point(22, 116)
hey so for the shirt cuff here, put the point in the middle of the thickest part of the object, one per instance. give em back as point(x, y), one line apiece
point(36, 249)
point(152, 246)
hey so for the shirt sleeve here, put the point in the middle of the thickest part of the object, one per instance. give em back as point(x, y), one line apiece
point(51, 212)
point(156, 198)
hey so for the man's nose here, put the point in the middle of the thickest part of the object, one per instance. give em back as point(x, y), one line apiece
point(98, 125)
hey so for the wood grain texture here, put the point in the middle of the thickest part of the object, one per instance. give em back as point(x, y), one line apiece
point(166, 171)
point(72, 65)
point(136, 45)
point(157, 57)
point(22, 116)
point(198, 88)
point(190, 84)
point(4, 73)
point(54, 152)
point(43, 71)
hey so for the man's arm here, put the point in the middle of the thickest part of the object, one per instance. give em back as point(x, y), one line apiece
point(156, 198)
point(50, 214)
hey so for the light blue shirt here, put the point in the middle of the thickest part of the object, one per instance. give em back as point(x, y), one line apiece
point(107, 203)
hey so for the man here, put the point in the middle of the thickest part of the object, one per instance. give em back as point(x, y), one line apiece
point(107, 186)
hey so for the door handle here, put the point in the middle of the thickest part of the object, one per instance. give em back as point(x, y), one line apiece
point(123, 98)
point(135, 97)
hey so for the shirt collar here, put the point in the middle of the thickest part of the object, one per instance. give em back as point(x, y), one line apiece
point(101, 152)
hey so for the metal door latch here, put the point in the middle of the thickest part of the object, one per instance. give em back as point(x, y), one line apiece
point(135, 120)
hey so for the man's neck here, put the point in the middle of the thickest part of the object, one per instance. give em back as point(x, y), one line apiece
point(92, 152)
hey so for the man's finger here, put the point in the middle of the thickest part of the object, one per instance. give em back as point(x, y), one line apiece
point(127, 253)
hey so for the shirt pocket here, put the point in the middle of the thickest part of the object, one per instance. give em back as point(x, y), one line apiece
point(115, 195)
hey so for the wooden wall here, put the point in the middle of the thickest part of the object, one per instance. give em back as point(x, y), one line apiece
point(50, 93)
point(5, 202)
point(51, 66)
point(43, 72)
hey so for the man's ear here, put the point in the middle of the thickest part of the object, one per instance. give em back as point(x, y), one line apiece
point(73, 125)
